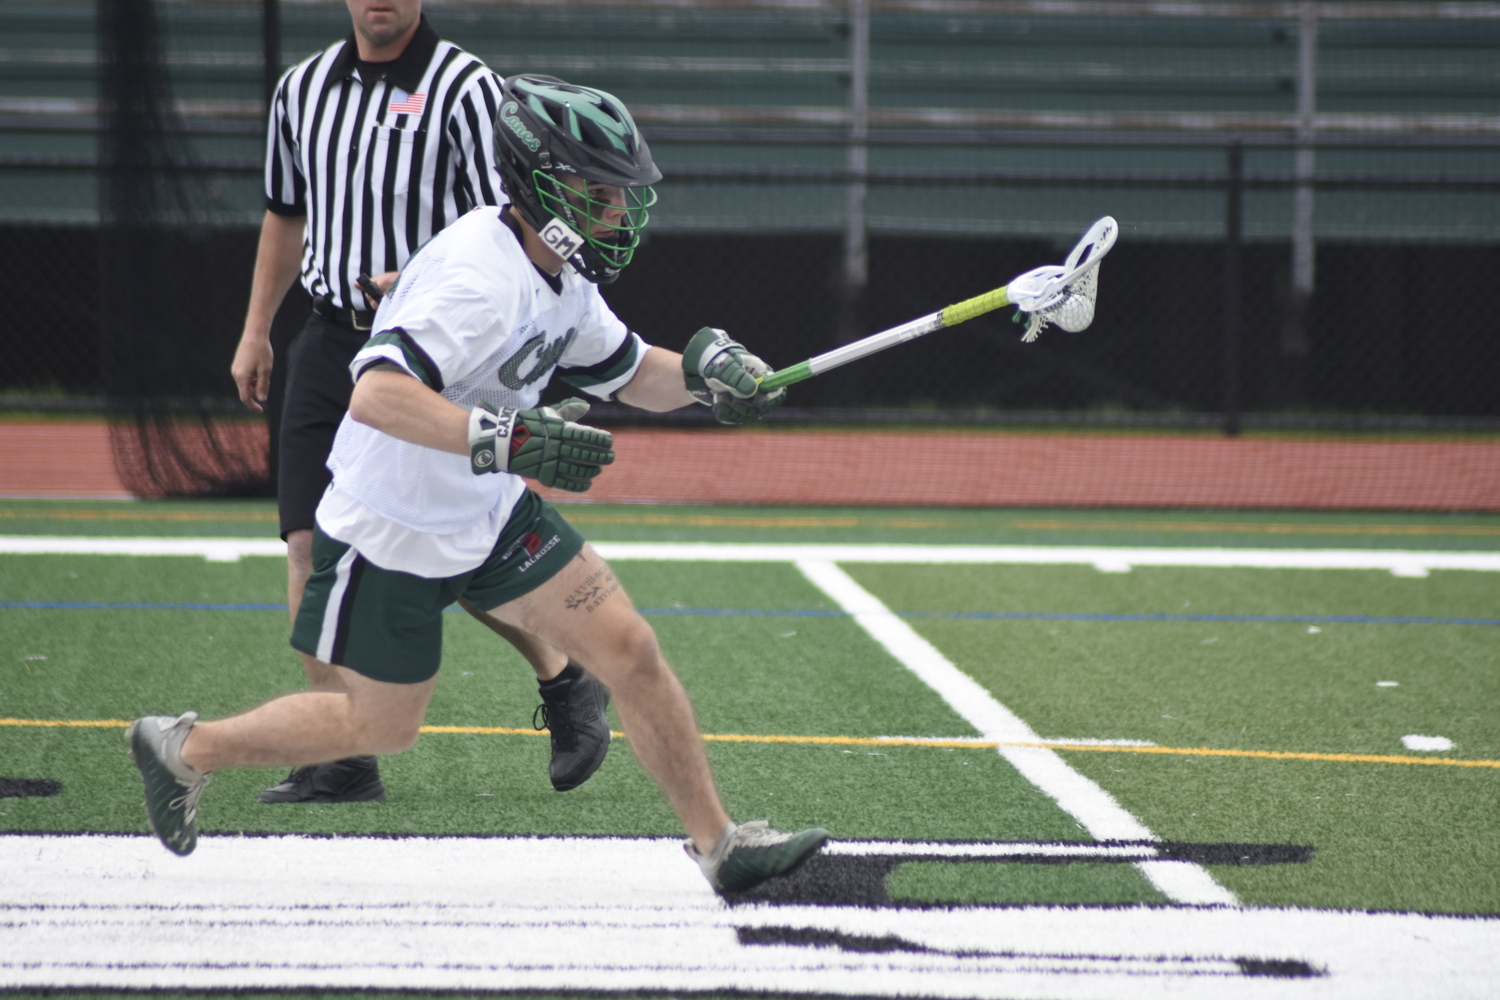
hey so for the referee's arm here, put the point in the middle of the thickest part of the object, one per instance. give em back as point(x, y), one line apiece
point(278, 261)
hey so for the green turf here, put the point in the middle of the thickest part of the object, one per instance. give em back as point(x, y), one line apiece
point(926, 526)
point(826, 679)
point(147, 579)
point(115, 518)
point(1060, 589)
point(1256, 685)
point(1387, 836)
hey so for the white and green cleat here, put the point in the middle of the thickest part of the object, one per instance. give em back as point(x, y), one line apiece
point(748, 854)
point(172, 788)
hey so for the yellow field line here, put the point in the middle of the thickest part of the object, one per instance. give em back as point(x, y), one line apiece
point(695, 520)
point(489, 731)
point(729, 521)
point(814, 521)
point(68, 723)
point(1346, 758)
point(899, 741)
point(140, 515)
point(1258, 528)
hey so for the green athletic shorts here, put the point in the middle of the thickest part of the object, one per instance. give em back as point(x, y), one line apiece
point(388, 625)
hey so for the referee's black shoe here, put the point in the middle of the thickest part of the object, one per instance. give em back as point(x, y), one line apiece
point(572, 708)
point(353, 779)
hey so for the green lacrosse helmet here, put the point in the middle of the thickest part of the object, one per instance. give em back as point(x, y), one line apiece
point(546, 129)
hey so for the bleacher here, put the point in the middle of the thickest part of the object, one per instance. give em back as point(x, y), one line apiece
point(1088, 95)
point(835, 167)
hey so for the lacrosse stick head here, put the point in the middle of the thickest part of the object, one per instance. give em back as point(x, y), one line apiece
point(1064, 295)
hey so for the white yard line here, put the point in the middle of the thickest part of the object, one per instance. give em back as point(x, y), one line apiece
point(568, 914)
point(623, 914)
point(1105, 558)
point(1093, 807)
point(212, 549)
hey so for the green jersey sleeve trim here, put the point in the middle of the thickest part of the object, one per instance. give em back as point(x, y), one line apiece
point(415, 359)
point(617, 368)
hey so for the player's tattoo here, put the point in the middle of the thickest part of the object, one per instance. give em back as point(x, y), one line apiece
point(594, 591)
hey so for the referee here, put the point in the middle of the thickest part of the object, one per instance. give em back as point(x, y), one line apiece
point(375, 145)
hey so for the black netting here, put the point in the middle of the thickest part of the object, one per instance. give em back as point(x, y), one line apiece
point(49, 280)
point(1396, 332)
point(994, 138)
point(165, 326)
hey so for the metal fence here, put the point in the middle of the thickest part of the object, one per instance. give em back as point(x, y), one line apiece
point(1309, 194)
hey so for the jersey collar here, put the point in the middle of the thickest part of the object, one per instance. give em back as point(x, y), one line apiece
point(554, 281)
point(405, 71)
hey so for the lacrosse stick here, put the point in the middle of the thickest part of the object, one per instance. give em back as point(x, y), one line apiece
point(1060, 295)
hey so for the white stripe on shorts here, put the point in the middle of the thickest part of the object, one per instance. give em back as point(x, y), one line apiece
point(335, 602)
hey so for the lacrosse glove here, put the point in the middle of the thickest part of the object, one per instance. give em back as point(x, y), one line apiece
point(544, 444)
point(722, 375)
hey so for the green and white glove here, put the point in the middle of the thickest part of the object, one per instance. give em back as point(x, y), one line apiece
point(722, 375)
point(544, 444)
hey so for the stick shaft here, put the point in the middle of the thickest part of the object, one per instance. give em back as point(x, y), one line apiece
point(876, 342)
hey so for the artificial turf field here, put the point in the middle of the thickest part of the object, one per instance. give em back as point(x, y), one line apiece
point(1256, 720)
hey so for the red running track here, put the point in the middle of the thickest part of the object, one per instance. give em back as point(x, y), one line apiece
point(980, 468)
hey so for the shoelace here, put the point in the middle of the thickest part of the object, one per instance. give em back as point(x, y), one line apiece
point(555, 716)
point(755, 834)
point(188, 801)
point(758, 833)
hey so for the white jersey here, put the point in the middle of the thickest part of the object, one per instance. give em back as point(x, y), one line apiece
point(474, 320)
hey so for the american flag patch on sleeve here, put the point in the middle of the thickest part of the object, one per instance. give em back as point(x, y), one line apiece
point(403, 103)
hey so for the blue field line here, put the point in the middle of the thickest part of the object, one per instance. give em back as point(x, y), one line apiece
point(734, 612)
point(1079, 617)
point(138, 606)
point(1085, 617)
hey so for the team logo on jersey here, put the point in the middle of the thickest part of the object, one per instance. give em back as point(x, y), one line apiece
point(508, 116)
point(546, 358)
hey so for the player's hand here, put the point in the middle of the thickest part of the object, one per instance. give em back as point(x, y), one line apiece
point(252, 370)
point(721, 374)
point(544, 444)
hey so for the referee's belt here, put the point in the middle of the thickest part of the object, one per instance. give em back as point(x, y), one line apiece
point(349, 319)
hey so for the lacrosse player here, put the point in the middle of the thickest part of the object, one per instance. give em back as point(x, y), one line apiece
point(362, 168)
point(427, 504)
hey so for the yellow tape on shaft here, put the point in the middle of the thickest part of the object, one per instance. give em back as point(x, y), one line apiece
point(977, 306)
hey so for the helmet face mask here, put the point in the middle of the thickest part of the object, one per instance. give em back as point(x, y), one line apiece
point(610, 229)
point(557, 145)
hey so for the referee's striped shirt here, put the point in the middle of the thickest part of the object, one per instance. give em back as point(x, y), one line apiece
point(379, 166)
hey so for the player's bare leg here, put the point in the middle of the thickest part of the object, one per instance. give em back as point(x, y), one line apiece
point(367, 717)
point(176, 756)
point(572, 708)
point(320, 676)
point(584, 612)
point(347, 778)
point(546, 661)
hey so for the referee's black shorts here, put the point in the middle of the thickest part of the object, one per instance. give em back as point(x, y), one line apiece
point(318, 387)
